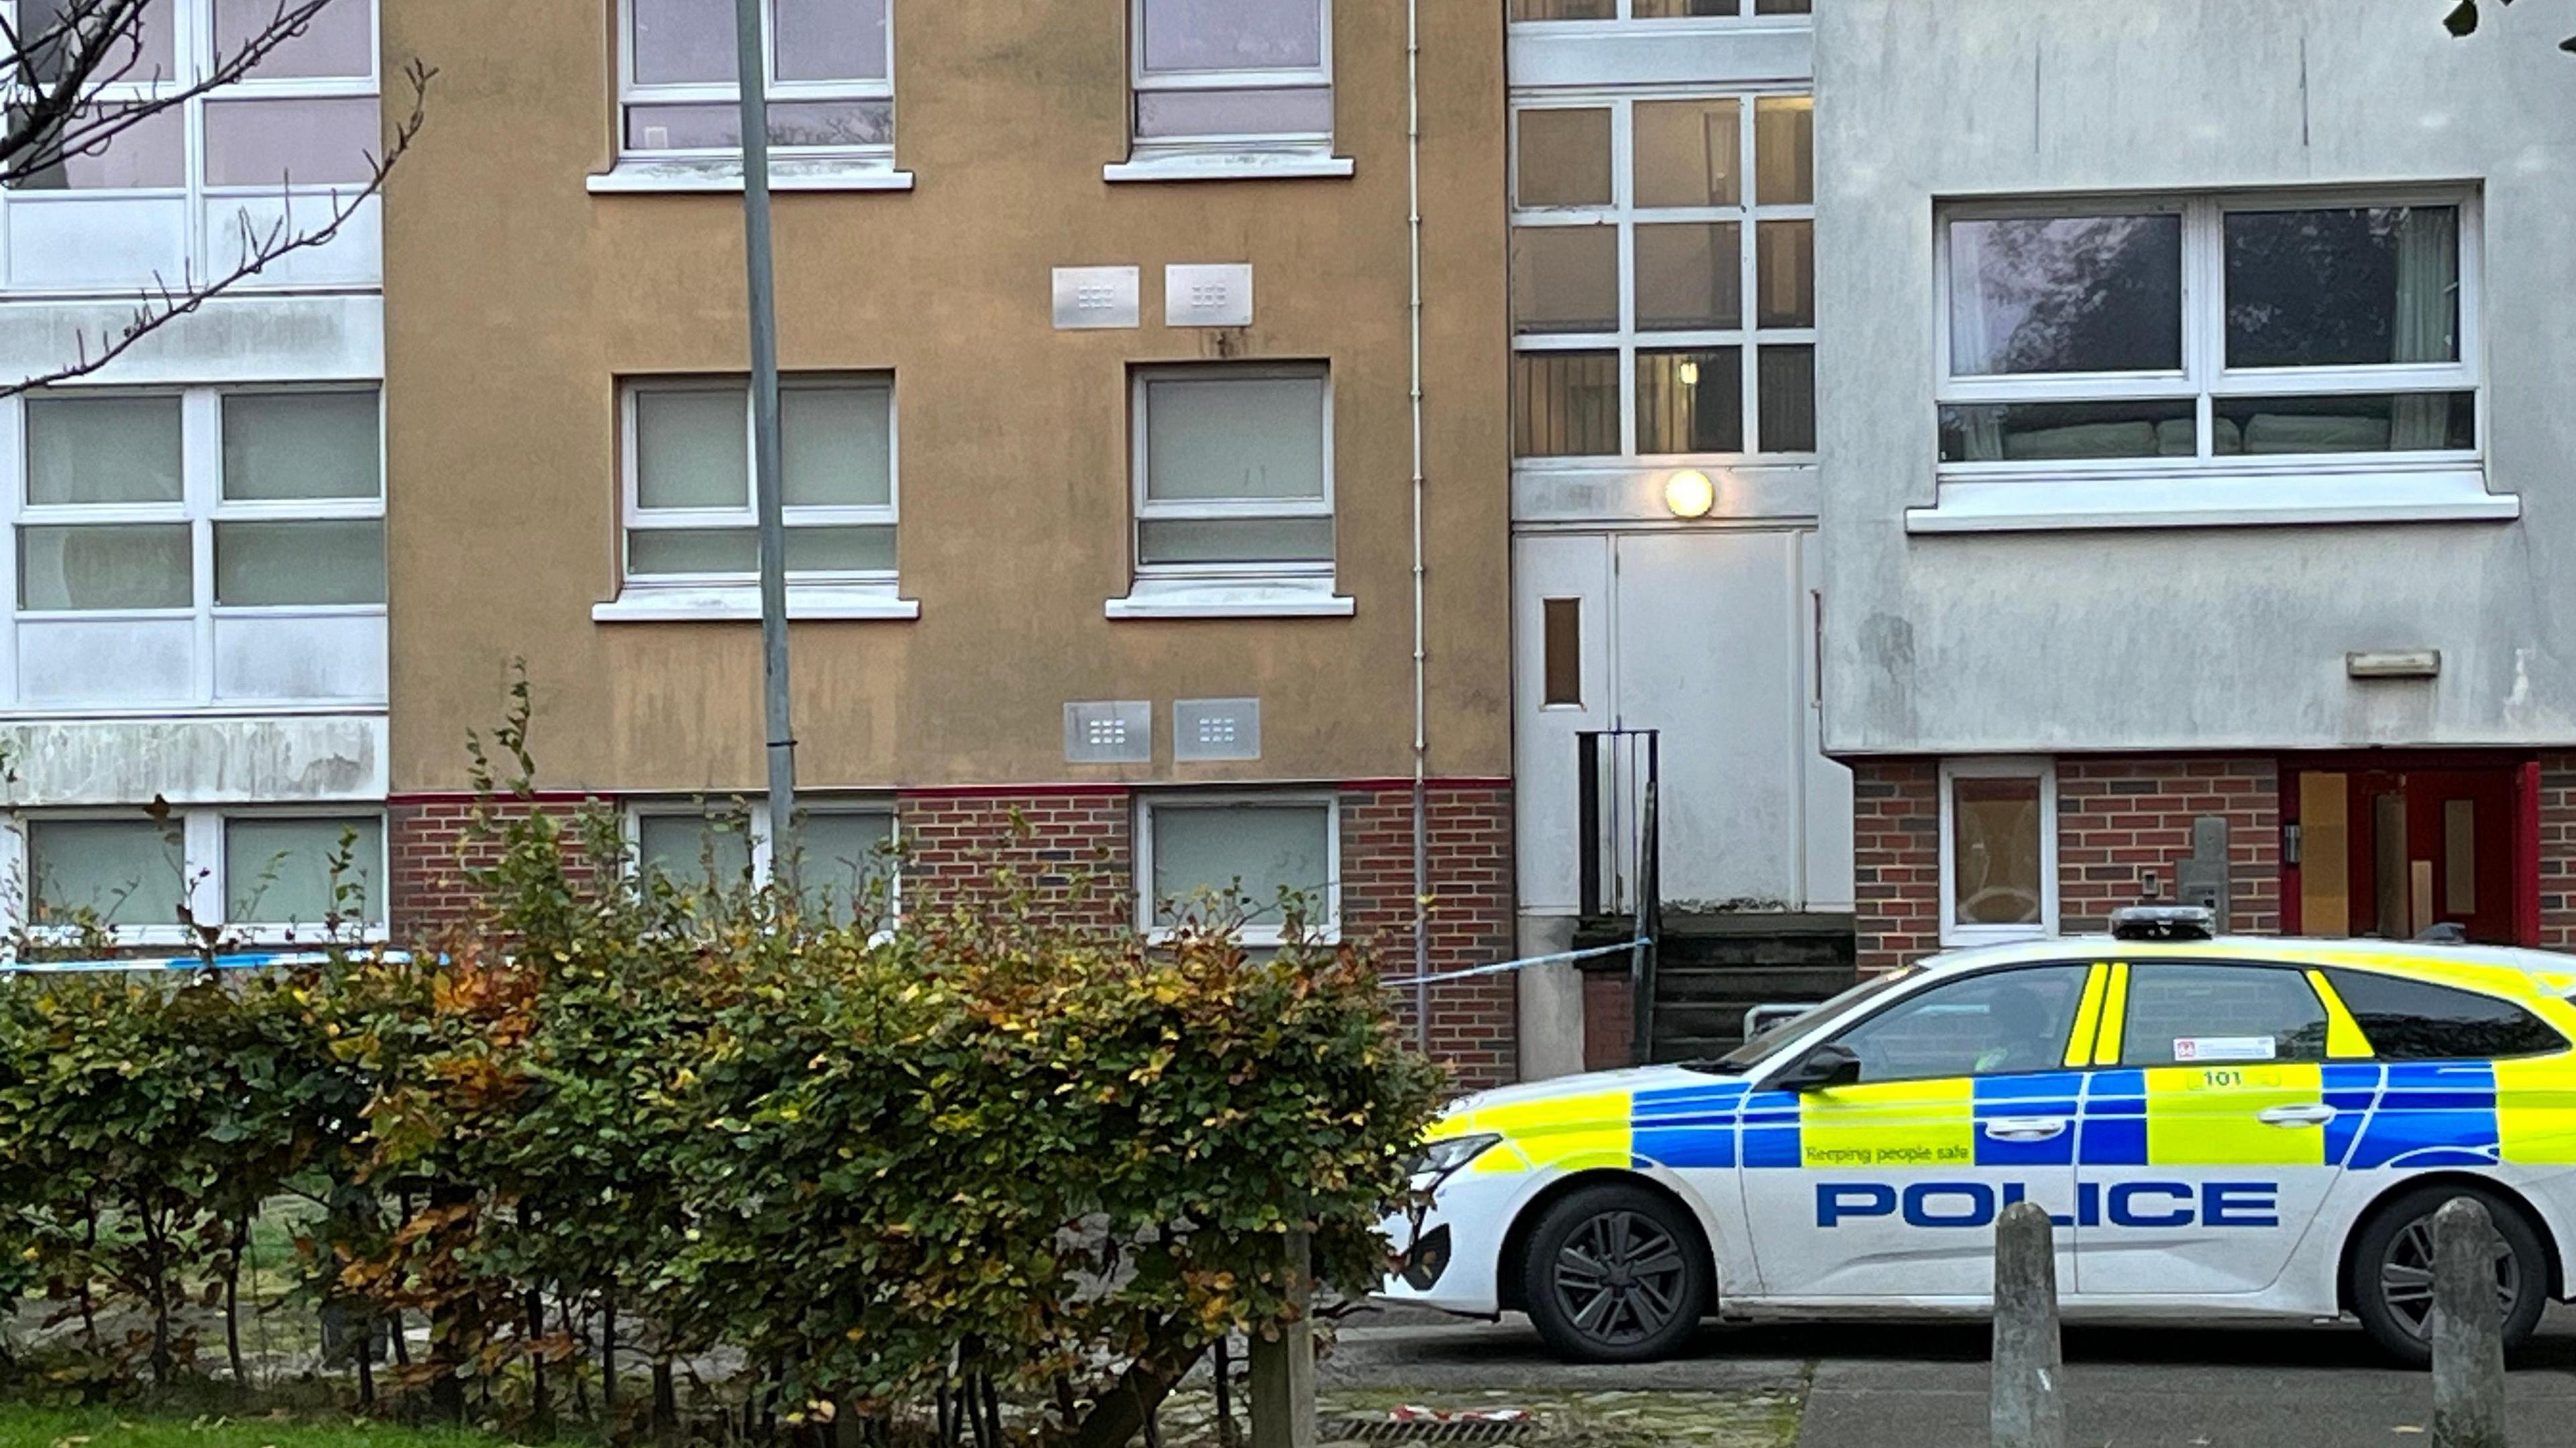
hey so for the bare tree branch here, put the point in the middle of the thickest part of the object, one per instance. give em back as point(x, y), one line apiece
point(162, 304)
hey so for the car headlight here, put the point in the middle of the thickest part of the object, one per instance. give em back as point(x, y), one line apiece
point(1438, 1160)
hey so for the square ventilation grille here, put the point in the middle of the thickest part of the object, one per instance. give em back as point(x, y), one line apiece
point(1213, 729)
point(1115, 731)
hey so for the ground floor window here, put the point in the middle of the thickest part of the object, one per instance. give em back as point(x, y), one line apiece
point(1998, 850)
point(264, 875)
point(845, 850)
point(1265, 865)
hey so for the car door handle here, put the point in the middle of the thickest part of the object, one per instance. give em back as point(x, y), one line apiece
point(2314, 1114)
point(2025, 1128)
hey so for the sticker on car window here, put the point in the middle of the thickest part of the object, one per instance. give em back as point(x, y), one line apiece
point(2225, 1048)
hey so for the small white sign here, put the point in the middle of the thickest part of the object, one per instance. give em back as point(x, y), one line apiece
point(2226, 1048)
point(1096, 296)
point(1207, 295)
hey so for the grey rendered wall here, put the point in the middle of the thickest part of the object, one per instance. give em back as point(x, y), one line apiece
point(2207, 637)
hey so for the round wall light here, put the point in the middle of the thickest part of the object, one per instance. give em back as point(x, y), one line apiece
point(1689, 494)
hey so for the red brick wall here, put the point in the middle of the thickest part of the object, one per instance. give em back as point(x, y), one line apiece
point(1474, 1023)
point(1609, 1020)
point(1896, 861)
point(1074, 849)
point(2118, 820)
point(434, 844)
point(2558, 851)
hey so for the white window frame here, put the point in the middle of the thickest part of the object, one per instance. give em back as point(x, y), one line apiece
point(1626, 341)
point(1222, 157)
point(213, 249)
point(2044, 770)
point(2207, 487)
point(632, 92)
point(812, 593)
point(755, 816)
point(201, 507)
point(1744, 18)
point(202, 870)
point(1326, 930)
point(1251, 588)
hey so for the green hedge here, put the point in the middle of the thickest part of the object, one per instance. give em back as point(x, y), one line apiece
point(870, 1157)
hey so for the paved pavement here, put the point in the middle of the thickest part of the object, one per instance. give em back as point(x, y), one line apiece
point(1924, 1385)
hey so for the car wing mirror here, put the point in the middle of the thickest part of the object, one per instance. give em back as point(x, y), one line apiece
point(1822, 1069)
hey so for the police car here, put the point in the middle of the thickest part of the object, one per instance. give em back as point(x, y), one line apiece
point(2219, 1128)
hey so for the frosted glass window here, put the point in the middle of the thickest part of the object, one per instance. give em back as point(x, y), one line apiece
point(339, 40)
point(1234, 540)
point(1252, 438)
point(1565, 279)
point(104, 566)
point(1184, 113)
point(692, 449)
point(829, 40)
point(119, 872)
point(102, 450)
point(1205, 35)
point(302, 445)
point(694, 851)
point(1564, 157)
point(308, 142)
point(682, 41)
point(836, 446)
point(340, 561)
point(1252, 851)
point(152, 152)
point(1996, 844)
point(1687, 152)
point(279, 871)
point(843, 864)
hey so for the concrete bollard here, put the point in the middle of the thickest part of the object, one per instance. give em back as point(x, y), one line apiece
point(1282, 1372)
point(2027, 1410)
point(2467, 1329)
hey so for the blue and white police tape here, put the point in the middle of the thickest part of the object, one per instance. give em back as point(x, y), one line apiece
point(1507, 967)
point(240, 960)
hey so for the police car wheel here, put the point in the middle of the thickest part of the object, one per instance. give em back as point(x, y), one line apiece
point(1615, 1274)
point(2392, 1271)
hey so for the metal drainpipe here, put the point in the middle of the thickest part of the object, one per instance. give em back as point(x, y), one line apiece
point(1421, 724)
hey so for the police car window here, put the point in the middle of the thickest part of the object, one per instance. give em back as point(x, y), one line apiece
point(1985, 1025)
point(2189, 1014)
point(2410, 1020)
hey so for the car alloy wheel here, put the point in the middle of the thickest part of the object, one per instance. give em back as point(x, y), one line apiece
point(2406, 1277)
point(1620, 1279)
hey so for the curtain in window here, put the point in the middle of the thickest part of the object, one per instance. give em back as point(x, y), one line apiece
point(1983, 426)
point(2428, 280)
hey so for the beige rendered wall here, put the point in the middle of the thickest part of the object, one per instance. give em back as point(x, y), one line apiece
point(515, 299)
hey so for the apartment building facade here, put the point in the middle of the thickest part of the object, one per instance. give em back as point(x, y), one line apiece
point(196, 563)
point(1097, 333)
point(2202, 537)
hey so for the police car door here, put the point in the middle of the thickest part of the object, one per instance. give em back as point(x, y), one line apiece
point(1888, 1187)
point(2204, 1155)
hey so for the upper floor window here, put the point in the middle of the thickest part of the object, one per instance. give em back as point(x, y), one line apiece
point(202, 547)
point(1232, 76)
point(1663, 277)
point(692, 525)
point(830, 79)
point(1651, 9)
point(1233, 480)
point(142, 185)
point(263, 874)
point(2207, 333)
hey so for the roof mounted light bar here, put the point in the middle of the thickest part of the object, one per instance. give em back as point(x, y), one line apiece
point(2164, 922)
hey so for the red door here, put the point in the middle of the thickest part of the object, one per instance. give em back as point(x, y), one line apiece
point(2432, 846)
